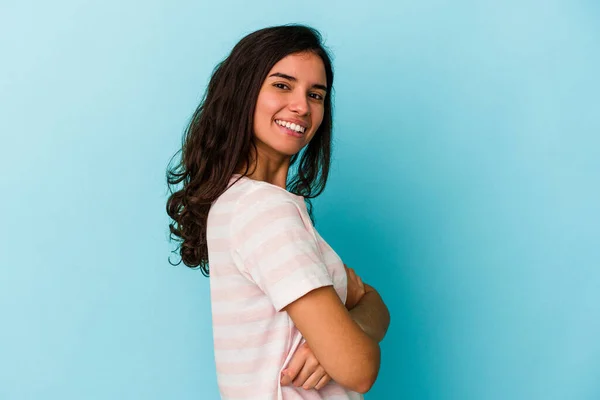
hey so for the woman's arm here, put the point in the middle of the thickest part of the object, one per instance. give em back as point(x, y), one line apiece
point(366, 306)
point(371, 314)
point(366, 309)
point(349, 355)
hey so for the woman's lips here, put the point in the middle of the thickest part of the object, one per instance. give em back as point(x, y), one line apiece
point(290, 132)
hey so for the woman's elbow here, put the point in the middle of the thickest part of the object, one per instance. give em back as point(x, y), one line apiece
point(369, 371)
point(370, 379)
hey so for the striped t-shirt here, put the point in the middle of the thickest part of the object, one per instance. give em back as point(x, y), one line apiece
point(264, 254)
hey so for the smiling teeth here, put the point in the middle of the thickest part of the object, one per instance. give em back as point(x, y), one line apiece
point(290, 125)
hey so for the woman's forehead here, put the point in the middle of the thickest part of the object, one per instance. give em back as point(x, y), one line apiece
point(303, 67)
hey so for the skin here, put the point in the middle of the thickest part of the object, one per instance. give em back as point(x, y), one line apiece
point(367, 309)
point(340, 344)
point(281, 98)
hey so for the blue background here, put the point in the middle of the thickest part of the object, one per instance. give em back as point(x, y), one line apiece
point(465, 188)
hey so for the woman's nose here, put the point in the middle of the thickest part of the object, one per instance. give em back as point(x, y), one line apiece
point(299, 104)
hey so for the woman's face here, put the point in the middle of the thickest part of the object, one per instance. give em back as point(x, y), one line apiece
point(293, 93)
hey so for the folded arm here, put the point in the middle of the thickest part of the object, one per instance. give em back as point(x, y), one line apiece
point(371, 314)
point(348, 354)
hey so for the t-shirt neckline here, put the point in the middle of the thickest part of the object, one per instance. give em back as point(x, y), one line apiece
point(297, 197)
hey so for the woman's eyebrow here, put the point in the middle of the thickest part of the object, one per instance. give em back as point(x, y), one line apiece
point(293, 79)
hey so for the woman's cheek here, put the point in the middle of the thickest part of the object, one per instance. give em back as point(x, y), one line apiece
point(273, 102)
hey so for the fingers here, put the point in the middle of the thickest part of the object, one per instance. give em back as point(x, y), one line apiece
point(286, 379)
point(354, 277)
point(304, 370)
point(348, 269)
point(311, 366)
point(295, 365)
point(315, 379)
point(324, 381)
point(351, 276)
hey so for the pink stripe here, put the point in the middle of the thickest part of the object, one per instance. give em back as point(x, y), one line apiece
point(262, 313)
point(293, 237)
point(290, 265)
point(247, 367)
point(218, 245)
point(236, 292)
point(251, 341)
point(294, 393)
point(222, 270)
point(259, 222)
point(219, 220)
point(266, 389)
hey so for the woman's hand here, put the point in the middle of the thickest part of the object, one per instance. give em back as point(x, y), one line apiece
point(304, 370)
point(356, 288)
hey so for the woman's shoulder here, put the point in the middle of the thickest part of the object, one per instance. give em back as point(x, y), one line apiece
point(248, 192)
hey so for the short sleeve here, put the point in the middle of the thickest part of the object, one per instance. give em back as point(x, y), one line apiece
point(277, 248)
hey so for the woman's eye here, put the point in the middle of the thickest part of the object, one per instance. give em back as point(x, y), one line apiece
point(281, 85)
point(316, 96)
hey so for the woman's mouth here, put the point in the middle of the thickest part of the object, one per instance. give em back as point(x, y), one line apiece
point(290, 129)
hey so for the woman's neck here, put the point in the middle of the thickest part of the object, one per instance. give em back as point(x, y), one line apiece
point(270, 172)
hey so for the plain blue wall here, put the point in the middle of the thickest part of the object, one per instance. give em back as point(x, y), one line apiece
point(465, 188)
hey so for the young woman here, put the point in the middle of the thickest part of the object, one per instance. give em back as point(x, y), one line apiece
point(290, 321)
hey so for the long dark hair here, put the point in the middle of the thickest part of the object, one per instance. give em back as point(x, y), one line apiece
point(219, 137)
